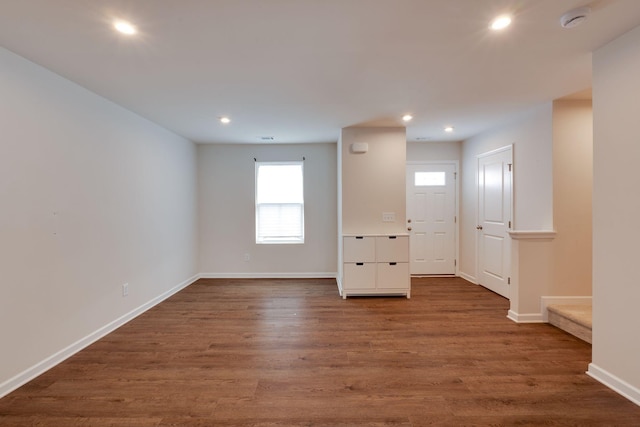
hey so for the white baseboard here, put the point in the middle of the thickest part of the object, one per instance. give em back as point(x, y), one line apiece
point(339, 282)
point(525, 317)
point(421, 276)
point(268, 275)
point(546, 301)
point(56, 358)
point(614, 383)
point(468, 277)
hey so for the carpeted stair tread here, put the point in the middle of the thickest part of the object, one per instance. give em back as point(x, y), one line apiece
point(574, 319)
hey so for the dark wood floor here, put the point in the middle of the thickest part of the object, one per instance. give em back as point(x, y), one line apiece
point(292, 353)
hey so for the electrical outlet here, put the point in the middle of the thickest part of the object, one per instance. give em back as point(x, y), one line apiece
point(388, 217)
point(247, 257)
point(125, 289)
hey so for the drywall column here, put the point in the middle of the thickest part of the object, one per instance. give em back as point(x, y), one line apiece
point(616, 209)
point(371, 183)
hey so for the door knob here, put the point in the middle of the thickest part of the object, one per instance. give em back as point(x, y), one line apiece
point(409, 221)
point(479, 227)
point(409, 228)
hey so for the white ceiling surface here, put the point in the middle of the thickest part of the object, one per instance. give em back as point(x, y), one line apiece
point(300, 70)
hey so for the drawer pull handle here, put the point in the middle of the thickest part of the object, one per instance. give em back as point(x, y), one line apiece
point(392, 237)
point(392, 263)
point(359, 263)
point(359, 237)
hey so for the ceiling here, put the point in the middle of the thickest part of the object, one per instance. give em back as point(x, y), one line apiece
point(300, 70)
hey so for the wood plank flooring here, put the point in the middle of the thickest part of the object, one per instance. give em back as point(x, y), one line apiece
point(293, 353)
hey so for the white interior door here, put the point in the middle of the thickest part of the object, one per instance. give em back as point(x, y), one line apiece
point(431, 218)
point(494, 220)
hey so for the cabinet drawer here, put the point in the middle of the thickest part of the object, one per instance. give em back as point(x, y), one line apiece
point(359, 276)
point(393, 275)
point(392, 248)
point(359, 249)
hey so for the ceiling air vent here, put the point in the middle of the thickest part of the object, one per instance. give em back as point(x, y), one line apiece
point(575, 17)
point(267, 138)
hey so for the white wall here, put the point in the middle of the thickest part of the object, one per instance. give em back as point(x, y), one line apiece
point(572, 188)
point(616, 210)
point(559, 266)
point(226, 189)
point(373, 182)
point(531, 136)
point(93, 196)
point(433, 151)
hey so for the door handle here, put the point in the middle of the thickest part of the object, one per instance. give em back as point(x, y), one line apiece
point(409, 221)
point(409, 228)
point(479, 227)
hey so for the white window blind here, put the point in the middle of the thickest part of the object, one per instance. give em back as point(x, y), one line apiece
point(279, 202)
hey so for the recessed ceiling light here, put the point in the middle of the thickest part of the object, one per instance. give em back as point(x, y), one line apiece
point(125, 27)
point(407, 117)
point(500, 23)
point(448, 129)
point(225, 120)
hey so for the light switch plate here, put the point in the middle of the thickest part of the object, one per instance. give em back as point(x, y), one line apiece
point(388, 217)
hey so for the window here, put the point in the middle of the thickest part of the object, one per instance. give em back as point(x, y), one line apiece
point(279, 202)
point(429, 179)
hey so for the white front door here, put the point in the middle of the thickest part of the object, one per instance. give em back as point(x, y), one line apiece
point(494, 220)
point(431, 218)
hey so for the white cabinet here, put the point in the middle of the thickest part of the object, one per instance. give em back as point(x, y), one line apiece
point(359, 249)
point(376, 265)
point(359, 275)
point(392, 248)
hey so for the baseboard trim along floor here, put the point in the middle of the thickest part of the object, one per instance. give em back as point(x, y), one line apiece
point(56, 358)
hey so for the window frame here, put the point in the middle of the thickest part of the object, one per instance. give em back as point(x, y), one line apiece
point(273, 240)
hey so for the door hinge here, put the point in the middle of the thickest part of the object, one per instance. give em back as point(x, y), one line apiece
point(455, 262)
point(455, 175)
point(455, 219)
point(508, 280)
point(509, 166)
point(509, 224)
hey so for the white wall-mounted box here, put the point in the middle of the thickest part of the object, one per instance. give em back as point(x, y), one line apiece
point(359, 147)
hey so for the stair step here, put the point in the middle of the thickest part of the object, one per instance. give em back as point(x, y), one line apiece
point(574, 319)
